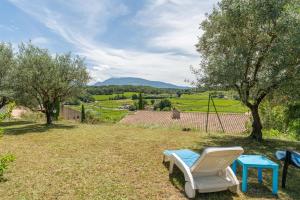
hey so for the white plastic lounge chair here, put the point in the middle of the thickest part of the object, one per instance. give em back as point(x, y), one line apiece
point(209, 172)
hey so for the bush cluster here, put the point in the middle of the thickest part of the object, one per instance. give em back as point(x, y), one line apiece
point(163, 105)
point(118, 97)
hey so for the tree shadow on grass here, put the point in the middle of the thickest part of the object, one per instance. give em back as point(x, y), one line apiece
point(267, 147)
point(14, 123)
point(34, 128)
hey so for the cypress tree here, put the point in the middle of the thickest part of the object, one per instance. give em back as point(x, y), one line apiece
point(140, 103)
point(82, 114)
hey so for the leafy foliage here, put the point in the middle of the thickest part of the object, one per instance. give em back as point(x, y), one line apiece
point(117, 89)
point(6, 65)
point(163, 105)
point(118, 97)
point(141, 102)
point(41, 80)
point(251, 46)
point(4, 162)
point(5, 159)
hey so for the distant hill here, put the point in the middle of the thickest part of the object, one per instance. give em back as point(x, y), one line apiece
point(138, 82)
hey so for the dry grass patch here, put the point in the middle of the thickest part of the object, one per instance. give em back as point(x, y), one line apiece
point(71, 161)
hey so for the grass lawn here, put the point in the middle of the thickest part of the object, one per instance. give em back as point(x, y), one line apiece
point(73, 161)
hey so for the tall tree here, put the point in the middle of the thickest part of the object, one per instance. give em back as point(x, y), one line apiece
point(140, 102)
point(42, 80)
point(6, 64)
point(252, 46)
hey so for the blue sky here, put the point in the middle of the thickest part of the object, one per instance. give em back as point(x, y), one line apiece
point(152, 39)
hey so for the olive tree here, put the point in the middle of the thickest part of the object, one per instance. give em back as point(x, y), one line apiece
point(6, 64)
point(252, 46)
point(42, 80)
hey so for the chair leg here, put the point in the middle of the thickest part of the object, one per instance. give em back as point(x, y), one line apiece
point(235, 189)
point(171, 167)
point(285, 168)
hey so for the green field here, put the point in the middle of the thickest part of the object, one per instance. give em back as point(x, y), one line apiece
point(83, 161)
point(199, 103)
point(105, 114)
point(107, 110)
point(106, 97)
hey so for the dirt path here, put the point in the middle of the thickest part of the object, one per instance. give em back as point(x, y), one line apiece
point(18, 112)
point(232, 123)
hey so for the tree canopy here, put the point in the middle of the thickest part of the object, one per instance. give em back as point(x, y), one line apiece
point(6, 64)
point(252, 46)
point(41, 80)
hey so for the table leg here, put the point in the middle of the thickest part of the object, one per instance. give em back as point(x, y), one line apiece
point(275, 180)
point(259, 171)
point(245, 178)
point(234, 166)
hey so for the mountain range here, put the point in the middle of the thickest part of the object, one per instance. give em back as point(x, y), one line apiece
point(138, 82)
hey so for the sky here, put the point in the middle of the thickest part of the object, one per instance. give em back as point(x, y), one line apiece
point(151, 39)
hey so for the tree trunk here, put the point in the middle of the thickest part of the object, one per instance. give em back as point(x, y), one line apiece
point(256, 124)
point(48, 117)
point(3, 102)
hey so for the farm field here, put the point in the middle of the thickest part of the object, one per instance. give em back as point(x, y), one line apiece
point(199, 102)
point(107, 110)
point(231, 123)
point(81, 161)
point(111, 113)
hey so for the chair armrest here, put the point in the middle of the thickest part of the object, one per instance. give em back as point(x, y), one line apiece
point(184, 168)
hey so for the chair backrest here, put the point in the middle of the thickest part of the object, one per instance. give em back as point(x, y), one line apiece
point(215, 159)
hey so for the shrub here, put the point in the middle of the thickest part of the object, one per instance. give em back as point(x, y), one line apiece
point(178, 93)
point(134, 97)
point(118, 97)
point(165, 103)
point(152, 101)
point(6, 159)
point(156, 106)
point(273, 117)
point(90, 117)
point(86, 98)
point(132, 108)
point(4, 162)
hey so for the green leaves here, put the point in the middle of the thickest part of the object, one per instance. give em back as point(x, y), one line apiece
point(4, 162)
point(41, 80)
point(6, 64)
point(251, 45)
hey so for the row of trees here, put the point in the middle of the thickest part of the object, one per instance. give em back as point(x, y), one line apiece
point(120, 89)
point(253, 47)
point(36, 79)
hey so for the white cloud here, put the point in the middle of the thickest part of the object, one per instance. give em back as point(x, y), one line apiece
point(40, 41)
point(176, 23)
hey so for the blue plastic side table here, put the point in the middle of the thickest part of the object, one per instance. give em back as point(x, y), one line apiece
point(260, 162)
